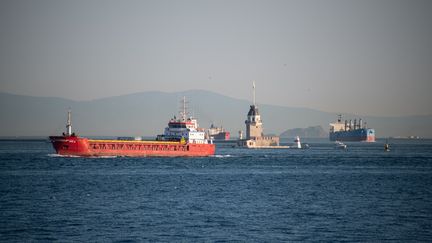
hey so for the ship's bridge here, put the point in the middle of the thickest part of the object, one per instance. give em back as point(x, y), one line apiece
point(188, 129)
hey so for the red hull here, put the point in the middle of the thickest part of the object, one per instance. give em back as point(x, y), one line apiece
point(77, 146)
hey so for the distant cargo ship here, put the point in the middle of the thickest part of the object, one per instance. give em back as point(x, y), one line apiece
point(351, 131)
point(182, 137)
point(218, 133)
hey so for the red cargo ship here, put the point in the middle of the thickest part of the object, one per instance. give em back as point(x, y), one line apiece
point(182, 137)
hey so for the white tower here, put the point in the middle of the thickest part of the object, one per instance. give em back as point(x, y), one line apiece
point(297, 141)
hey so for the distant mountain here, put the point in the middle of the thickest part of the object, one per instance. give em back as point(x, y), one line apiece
point(147, 114)
point(310, 132)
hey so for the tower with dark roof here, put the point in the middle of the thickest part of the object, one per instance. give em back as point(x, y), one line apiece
point(253, 123)
point(254, 130)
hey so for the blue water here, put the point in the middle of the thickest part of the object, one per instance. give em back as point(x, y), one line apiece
point(319, 194)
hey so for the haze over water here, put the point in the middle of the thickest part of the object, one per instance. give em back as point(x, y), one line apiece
point(366, 58)
point(363, 57)
point(320, 194)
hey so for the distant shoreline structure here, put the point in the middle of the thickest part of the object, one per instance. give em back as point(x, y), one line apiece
point(255, 137)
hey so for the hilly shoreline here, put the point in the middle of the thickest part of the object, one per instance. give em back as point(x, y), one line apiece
point(147, 114)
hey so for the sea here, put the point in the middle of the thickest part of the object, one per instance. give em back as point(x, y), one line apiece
point(358, 194)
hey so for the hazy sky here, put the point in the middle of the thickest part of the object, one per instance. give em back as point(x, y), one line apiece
point(366, 57)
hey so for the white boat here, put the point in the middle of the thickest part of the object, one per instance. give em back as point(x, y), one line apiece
point(386, 147)
point(340, 145)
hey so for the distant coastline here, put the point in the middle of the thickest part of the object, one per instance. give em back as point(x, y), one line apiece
point(127, 115)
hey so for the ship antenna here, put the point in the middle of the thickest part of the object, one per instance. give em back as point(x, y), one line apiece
point(69, 124)
point(253, 85)
point(183, 111)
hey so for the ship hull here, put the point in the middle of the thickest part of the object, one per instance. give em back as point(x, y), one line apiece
point(78, 146)
point(359, 135)
point(221, 136)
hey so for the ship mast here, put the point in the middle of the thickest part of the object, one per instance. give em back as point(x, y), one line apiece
point(69, 124)
point(183, 112)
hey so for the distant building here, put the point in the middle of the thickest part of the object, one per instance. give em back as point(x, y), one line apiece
point(253, 123)
point(254, 130)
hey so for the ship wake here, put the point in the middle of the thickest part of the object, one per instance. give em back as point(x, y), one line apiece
point(221, 156)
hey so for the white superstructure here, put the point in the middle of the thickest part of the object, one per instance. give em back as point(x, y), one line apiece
point(184, 128)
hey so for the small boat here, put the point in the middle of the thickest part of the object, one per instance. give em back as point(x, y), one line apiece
point(340, 145)
point(386, 146)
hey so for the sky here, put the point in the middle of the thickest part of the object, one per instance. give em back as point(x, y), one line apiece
point(369, 57)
